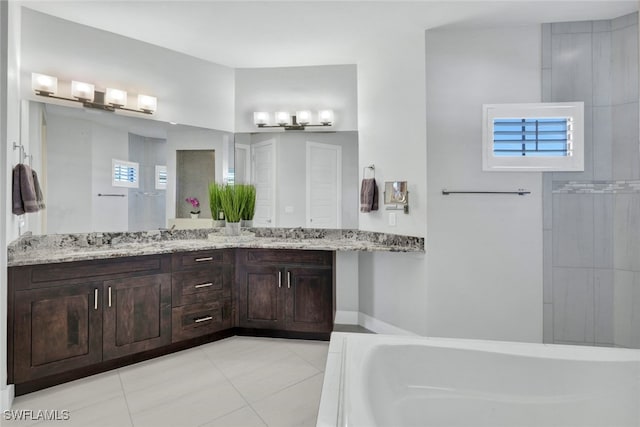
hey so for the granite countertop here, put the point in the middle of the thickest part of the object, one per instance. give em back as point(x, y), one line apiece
point(53, 248)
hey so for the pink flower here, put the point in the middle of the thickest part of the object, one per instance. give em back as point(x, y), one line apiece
point(194, 202)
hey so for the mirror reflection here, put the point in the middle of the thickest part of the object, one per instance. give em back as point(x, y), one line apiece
point(302, 179)
point(107, 172)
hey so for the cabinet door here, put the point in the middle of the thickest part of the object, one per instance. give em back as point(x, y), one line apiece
point(137, 314)
point(309, 301)
point(56, 330)
point(259, 297)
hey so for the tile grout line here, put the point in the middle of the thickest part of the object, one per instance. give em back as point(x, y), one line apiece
point(236, 389)
point(126, 401)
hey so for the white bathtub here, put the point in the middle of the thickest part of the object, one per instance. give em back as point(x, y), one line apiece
point(376, 380)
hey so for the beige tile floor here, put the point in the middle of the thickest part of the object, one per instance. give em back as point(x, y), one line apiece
point(238, 381)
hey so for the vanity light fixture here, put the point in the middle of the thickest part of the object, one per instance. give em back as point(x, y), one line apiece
point(299, 121)
point(85, 93)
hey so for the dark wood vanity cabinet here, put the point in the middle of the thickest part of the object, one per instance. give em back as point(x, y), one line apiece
point(72, 319)
point(201, 293)
point(285, 290)
point(71, 315)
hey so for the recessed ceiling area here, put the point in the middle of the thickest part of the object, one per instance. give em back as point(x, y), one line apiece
point(298, 33)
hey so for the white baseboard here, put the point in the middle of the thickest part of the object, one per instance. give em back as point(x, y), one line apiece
point(346, 317)
point(6, 398)
point(380, 327)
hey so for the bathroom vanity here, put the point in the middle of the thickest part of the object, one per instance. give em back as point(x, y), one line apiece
point(82, 304)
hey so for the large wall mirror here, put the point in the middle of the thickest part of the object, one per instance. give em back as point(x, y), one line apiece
point(303, 179)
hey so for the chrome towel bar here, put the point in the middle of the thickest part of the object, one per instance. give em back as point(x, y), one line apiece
point(519, 192)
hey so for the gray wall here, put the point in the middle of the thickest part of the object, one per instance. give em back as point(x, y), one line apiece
point(591, 221)
point(195, 170)
point(484, 253)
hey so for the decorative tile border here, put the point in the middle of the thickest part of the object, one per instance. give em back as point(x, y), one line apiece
point(596, 187)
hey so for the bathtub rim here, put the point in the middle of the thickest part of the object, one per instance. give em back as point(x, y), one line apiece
point(346, 348)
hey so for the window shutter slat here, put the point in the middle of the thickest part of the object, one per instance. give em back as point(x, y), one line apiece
point(531, 137)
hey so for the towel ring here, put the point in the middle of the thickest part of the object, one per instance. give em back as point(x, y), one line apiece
point(364, 170)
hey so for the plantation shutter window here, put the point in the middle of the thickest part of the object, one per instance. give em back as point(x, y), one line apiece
point(125, 174)
point(533, 137)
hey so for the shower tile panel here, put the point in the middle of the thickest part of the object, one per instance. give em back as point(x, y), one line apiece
point(627, 232)
point(600, 26)
point(604, 304)
point(573, 229)
point(624, 63)
point(571, 27)
point(603, 236)
point(546, 47)
point(623, 307)
point(626, 149)
point(571, 74)
point(635, 312)
point(547, 201)
point(547, 331)
point(602, 69)
point(602, 143)
point(546, 85)
point(624, 21)
point(573, 308)
point(547, 267)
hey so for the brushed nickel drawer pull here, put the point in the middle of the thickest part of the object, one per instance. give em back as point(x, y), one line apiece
point(204, 285)
point(95, 299)
point(202, 319)
point(288, 280)
point(279, 279)
point(109, 296)
point(209, 258)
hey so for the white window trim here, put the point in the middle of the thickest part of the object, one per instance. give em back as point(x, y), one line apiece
point(125, 163)
point(161, 185)
point(574, 162)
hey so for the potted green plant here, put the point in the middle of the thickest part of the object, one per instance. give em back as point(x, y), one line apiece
point(232, 201)
point(249, 205)
point(215, 204)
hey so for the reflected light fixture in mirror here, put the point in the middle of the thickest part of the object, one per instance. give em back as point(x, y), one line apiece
point(282, 118)
point(299, 121)
point(111, 100)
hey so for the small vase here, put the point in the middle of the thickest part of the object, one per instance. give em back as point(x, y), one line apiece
point(195, 216)
point(247, 223)
point(217, 223)
point(232, 229)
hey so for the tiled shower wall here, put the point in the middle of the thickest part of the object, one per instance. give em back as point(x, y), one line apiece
point(592, 218)
point(146, 204)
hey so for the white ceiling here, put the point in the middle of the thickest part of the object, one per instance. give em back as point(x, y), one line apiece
point(295, 33)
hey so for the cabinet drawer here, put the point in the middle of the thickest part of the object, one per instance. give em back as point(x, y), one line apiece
point(285, 256)
point(46, 275)
point(187, 260)
point(201, 285)
point(194, 320)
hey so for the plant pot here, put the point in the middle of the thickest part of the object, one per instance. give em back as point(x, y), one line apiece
point(195, 216)
point(247, 223)
point(232, 229)
point(217, 223)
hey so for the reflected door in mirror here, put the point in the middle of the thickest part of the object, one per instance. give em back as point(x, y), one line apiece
point(264, 167)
